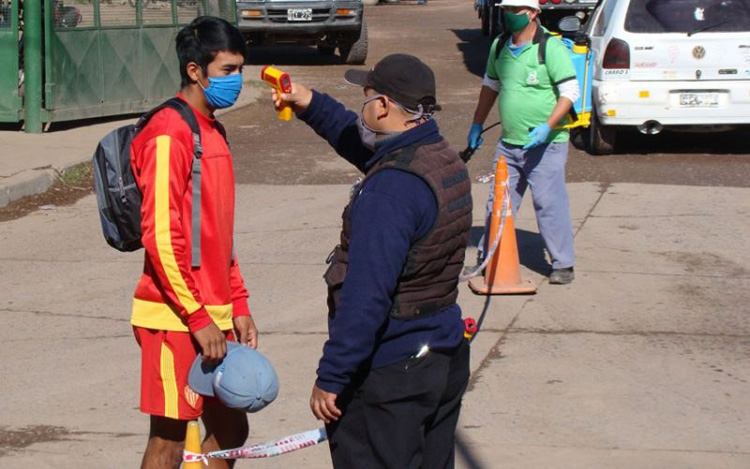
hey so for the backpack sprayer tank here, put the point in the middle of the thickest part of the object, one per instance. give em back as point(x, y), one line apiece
point(583, 62)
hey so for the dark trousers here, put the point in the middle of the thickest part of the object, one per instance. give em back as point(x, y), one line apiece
point(402, 416)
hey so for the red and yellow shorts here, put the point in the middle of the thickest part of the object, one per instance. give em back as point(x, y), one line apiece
point(166, 358)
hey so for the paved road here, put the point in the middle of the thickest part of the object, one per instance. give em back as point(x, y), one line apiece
point(445, 34)
point(642, 362)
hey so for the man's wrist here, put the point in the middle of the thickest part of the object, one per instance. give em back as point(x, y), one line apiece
point(240, 307)
point(334, 388)
point(307, 111)
point(198, 320)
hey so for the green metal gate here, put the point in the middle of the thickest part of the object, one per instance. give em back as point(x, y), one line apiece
point(10, 103)
point(106, 57)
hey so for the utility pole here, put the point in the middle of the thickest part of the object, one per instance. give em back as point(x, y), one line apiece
point(32, 65)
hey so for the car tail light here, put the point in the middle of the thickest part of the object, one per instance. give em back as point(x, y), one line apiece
point(542, 2)
point(556, 2)
point(617, 54)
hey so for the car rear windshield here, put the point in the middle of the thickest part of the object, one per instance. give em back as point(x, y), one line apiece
point(688, 16)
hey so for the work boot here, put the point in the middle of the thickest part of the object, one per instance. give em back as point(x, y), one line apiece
point(562, 276)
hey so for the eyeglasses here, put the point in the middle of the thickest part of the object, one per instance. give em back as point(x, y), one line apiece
point(371, 99)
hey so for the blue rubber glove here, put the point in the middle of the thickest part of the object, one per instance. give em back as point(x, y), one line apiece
point(475, 138)
point(538, 136)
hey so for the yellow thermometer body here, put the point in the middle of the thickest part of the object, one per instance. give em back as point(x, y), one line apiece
point(282, 82)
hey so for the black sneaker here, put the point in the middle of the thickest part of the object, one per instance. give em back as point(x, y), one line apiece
point(562, 276)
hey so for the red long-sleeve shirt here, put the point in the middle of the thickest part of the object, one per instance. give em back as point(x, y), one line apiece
point(171, 294)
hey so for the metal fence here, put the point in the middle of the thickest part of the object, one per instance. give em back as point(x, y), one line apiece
point(10, 102)
point(92, 58)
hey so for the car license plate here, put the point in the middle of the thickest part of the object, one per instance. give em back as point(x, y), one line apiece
point(299, 14)
point(699, 99)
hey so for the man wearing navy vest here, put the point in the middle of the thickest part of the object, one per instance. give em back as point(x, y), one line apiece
point(395, 365)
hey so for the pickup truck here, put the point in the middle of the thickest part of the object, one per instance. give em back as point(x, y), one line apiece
point(552, 12)
point(326, 24)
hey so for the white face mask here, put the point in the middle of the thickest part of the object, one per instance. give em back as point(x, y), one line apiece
point(366, 133)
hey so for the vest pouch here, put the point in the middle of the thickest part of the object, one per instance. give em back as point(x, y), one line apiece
point(334, 276)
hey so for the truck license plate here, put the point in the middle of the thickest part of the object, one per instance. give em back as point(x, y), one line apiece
point(299, 14)
point(699, 99)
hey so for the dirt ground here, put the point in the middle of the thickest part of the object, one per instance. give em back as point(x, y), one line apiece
point(75, 183)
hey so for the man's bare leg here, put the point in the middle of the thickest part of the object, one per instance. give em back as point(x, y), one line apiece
point(165, 444)
point(225, 429)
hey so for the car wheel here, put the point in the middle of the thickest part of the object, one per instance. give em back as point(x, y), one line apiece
point(602, 139)
point(354, 49)
point(485, 17)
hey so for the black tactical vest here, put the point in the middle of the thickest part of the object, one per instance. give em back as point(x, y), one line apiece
point(428, 282)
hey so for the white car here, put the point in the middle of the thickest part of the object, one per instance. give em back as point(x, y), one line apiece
point(675, 64)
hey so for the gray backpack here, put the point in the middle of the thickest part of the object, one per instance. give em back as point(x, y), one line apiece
point(117, 194)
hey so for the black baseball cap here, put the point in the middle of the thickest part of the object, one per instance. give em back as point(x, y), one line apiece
point(403, 78)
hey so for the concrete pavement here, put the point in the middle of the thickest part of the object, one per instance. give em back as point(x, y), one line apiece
point(641, 362)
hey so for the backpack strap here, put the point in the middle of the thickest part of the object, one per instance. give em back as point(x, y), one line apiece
point(189, 117)
point(540, 37)
point(501, 43)
point(222, 131)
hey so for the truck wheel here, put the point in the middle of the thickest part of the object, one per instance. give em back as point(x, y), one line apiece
point(601, 138)
point(354, 49)
point(485, 16)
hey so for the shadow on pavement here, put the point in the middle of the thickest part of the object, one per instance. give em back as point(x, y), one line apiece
point(290, 55)
point(465, 453)
point(632, 142)
point(476, 231)
point(531, 251)
point(74, 124)
point(474, 47)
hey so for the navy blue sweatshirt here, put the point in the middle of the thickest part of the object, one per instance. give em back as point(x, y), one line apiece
point(392, 211)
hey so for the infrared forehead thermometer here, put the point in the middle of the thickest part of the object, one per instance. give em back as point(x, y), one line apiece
point(283, 84)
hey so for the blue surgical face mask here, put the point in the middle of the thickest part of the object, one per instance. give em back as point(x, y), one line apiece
point(223, 91)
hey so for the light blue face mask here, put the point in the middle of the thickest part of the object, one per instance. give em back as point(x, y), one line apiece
point(223, 92)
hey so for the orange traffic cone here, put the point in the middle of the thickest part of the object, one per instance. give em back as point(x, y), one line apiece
point(503, 274)
point(193, 444)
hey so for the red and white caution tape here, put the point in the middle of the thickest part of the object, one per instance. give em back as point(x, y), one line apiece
point(268, 449)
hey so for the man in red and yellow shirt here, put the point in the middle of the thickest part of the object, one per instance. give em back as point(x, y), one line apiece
point(184, 306)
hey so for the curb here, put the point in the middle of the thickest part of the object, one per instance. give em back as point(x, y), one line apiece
point(28, 182)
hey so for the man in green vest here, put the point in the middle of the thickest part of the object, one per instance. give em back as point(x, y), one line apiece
point(531, 75)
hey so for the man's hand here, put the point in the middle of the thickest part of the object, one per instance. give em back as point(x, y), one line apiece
point(323, 405)
point(538, 136)
point(212, 343)
point(299, 98)
point(246, 331)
